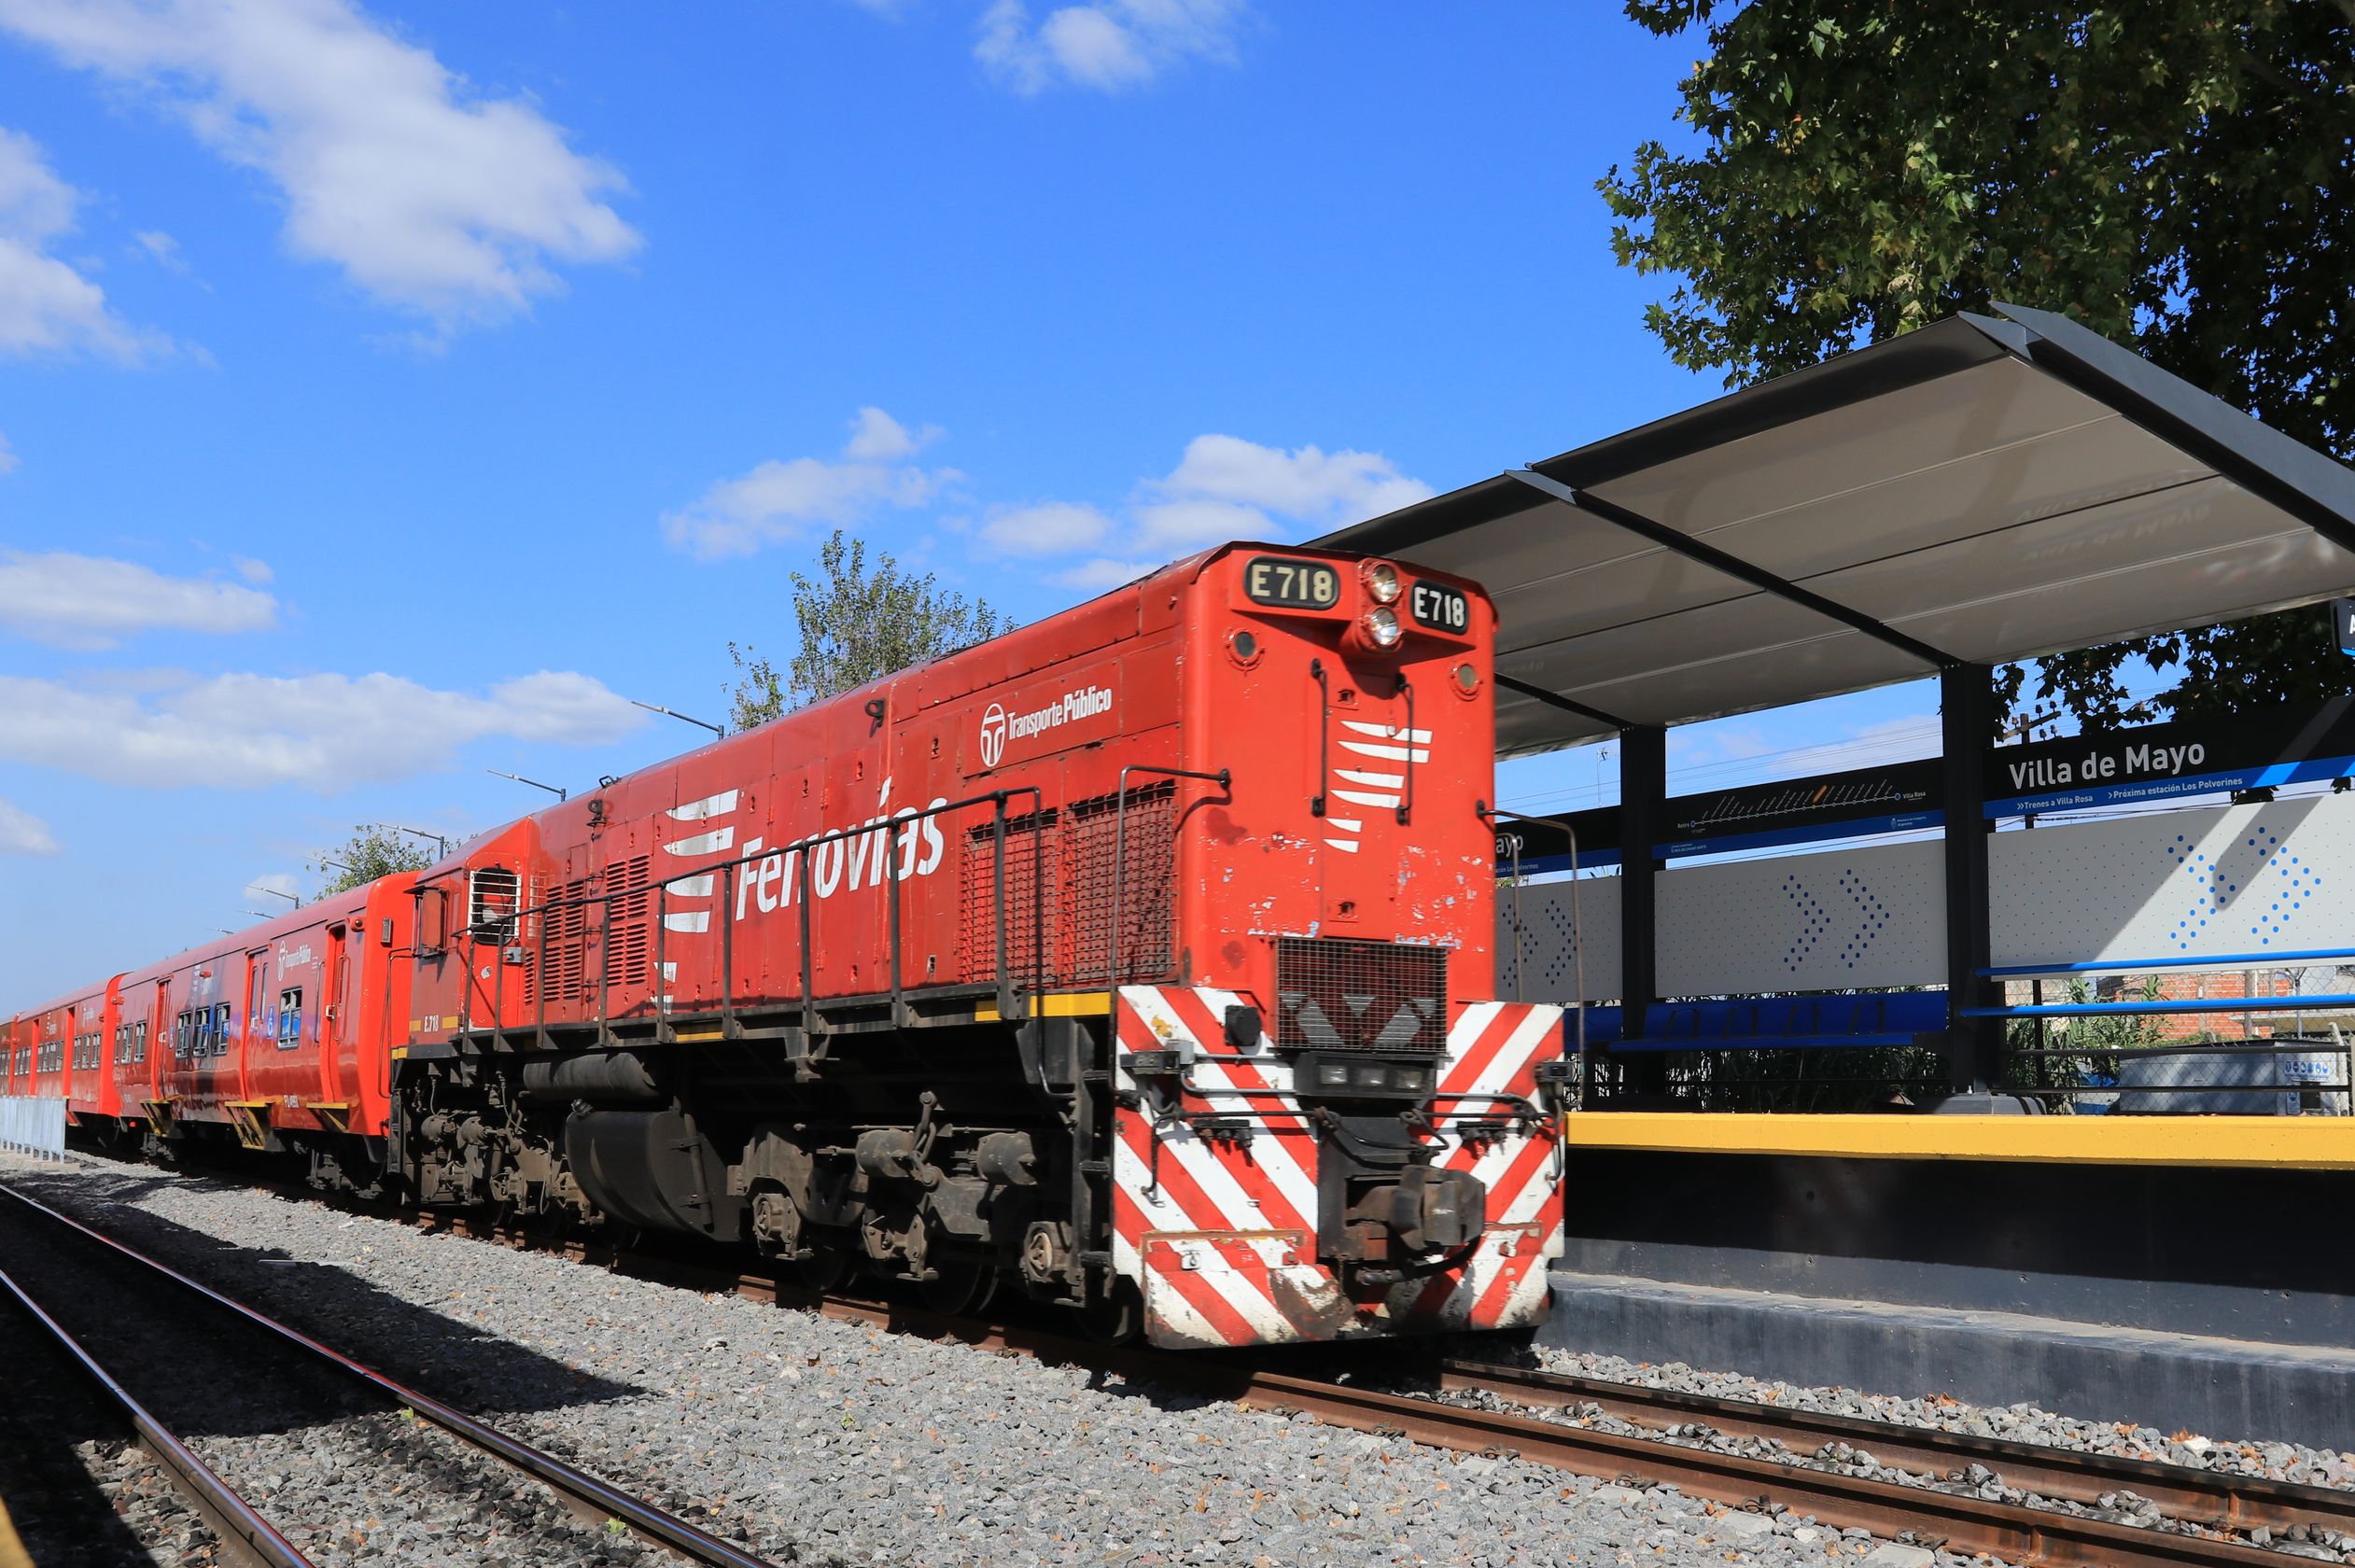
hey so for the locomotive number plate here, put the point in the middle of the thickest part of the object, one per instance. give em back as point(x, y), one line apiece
point(1272, 579)
point(1441, 609)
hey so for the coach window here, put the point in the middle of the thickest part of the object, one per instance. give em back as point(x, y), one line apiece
point(180, 1036)
point(222, 1020)
point(139, 1041)
point(290, 1017)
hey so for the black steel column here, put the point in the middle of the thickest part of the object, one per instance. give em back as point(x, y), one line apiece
point(1965, 709)
point(1643, 806)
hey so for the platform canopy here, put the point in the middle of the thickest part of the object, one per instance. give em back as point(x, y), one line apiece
point(1983, 490)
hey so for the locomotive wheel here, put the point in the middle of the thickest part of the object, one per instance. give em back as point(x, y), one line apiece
point(1115, 1319)
point(959, 1286)
point(825, 1268)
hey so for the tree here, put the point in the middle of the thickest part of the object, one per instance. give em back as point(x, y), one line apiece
point(856, 625)
point(368, 854)
point(2176, 173)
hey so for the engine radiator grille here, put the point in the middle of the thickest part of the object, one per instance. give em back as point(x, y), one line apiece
point(1364, 996)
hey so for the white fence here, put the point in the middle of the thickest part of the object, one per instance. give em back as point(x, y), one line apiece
point(31, 1126)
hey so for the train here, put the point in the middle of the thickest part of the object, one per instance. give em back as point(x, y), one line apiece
point(1140, 960)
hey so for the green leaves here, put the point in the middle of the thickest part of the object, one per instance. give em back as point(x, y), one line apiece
point(2177, 173)
point(856, 625)
point(368, 854)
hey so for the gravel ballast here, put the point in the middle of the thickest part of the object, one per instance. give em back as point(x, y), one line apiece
point(344, 1476)
point(2020, 1423)
point(797, 1434)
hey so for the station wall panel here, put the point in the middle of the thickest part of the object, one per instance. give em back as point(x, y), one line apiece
point(1548, 963)
point(2178, 887)
point(2216, 885)
point(1868, 917)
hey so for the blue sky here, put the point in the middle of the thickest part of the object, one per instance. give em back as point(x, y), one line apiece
point(388, 393)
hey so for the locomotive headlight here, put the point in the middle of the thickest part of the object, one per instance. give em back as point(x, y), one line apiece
point(1382, 581)
point(1382, 627)
point(1332, 1074)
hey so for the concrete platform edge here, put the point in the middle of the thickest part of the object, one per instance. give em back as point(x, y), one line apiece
point(2226, 1388)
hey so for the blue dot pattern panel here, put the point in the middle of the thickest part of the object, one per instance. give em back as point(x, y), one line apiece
point(1866, 917)
point(1549, 963)
point(2178, 887)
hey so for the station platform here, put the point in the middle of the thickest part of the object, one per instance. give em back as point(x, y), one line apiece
point(2220, 1143)
point(2230, 1389)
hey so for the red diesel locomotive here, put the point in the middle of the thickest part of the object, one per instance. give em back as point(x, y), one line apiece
point(1137, 959)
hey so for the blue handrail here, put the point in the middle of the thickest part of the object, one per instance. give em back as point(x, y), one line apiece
point(2198, 1004)
point(2181, 960)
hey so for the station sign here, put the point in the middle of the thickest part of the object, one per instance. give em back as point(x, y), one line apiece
point(2140, 764)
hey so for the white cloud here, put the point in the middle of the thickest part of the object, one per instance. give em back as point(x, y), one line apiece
point(90, 601)
point(1109, 46)
point(431, 197)
point(46, 306)
point(1304, 483)
point(256, 572)
point(161, 249)
point(876, 437)
point(1223, 488)
point(275, 882)
point(1101, 574)
point(23, 834)
point(776, 500)
point(323, 732)
point(1051, 529)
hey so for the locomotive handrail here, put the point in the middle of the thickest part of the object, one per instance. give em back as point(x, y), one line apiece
point(1012, 1004)
point(1083, 1116)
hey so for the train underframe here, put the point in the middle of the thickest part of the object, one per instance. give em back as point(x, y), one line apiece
point(1160, 1169)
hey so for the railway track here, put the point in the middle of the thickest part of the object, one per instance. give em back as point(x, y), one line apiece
point(1643, 1438)
point(116, 1317)
point(2218, 1507)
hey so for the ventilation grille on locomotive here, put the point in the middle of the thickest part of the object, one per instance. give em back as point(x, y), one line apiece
point(1362, 996)
point(1067, 857)
point(591, 937)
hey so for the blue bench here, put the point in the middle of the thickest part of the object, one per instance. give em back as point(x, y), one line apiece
point(1773, 1023)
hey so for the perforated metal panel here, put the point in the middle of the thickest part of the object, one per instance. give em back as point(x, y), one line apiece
point(2234, 883)
point(1388, 996)
point(1866, 917)
point(1550, 961)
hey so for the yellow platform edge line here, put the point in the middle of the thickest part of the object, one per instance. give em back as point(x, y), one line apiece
point(2263, 1142)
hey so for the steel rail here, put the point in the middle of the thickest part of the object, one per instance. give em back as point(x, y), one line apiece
point(2216, 1499)
point(1962, 1522)
point(600, 1496)
point(248, 1537)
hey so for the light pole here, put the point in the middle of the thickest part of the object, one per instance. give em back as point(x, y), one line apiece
point(440, 839)
point(699, 723)
point(533, 782)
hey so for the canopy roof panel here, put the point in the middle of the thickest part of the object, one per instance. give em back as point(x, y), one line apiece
point(1981, 491)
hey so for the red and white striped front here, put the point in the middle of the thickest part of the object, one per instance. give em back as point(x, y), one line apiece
point(1217, 1195)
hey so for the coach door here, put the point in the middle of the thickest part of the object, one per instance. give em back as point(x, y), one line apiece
point(336, 1067)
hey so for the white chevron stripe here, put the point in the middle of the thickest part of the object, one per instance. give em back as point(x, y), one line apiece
point(1348, 846)
point(1387, 732)
point(703, 844)
point(690, 887)
point(1347, 824)
point(694, 920)
point(704, 809)
point(1371, 780)
point(1388, 753)
point(1359, 797)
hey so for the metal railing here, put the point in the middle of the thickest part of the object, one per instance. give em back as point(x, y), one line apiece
point(32, 1125)
point(1012, 987)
